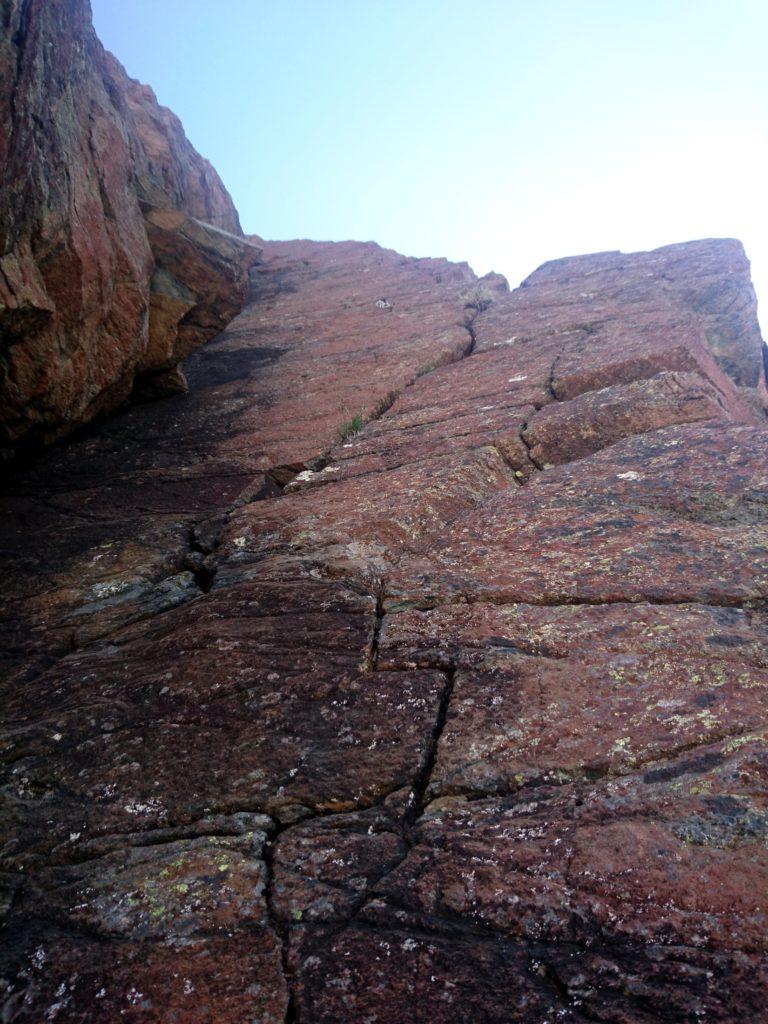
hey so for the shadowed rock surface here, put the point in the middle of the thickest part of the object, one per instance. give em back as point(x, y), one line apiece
point(410, 666)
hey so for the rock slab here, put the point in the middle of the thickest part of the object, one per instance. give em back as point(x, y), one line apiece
point(414, 661)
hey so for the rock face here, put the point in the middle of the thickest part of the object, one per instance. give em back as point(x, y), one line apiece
point(412, 665)
point(197, 286)
point(85, 282)
point(167, 170)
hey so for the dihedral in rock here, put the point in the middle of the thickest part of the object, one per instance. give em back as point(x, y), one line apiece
point(84, 144)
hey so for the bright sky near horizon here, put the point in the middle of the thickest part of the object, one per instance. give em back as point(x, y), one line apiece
point(501, 132)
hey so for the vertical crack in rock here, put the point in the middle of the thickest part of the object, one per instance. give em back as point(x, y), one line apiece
point(469, 326)
point(551, 378)
point(378, 619)
point(416, 798)
point(200, 560)
point(536, 465)
point(560, 990)
point(281, 929)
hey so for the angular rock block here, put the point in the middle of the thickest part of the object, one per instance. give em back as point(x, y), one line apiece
point(198, 284)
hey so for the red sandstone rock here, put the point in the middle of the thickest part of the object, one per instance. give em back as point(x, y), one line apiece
point(237, 977)
point(167, 170)
point(709, 279)
point(73, 289)
point(84, 145)
point(269, 394)
point(564, 432)
point(674, 515)
point(473, 740)
point(574, 691)
point(198, 285)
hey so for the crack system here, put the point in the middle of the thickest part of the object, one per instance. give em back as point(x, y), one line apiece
point(280, 929)
point(416, 798)
point(201, 561)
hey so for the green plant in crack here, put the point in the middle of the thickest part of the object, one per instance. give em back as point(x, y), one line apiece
point(424, 370)
point(351, 427)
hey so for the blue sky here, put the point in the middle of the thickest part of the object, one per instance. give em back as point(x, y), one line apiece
point(502, 132)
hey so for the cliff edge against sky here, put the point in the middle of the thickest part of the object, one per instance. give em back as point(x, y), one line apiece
point(120, 249)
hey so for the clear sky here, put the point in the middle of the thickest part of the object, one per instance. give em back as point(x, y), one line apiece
point(502, 132)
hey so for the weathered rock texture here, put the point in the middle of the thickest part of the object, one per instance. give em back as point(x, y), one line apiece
point(412, 666)
point(91, 293)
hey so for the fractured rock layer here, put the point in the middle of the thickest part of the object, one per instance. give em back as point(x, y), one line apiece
point(412, 665)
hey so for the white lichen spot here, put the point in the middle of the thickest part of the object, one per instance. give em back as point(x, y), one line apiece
point(150, 807)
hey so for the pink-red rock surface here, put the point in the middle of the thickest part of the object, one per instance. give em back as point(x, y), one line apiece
point(85, 282)
point(412, 665)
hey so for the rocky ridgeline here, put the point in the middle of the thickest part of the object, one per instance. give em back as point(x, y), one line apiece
point(411, 666)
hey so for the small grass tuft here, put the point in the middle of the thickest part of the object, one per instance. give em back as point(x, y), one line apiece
point(424, 370)
point(351, 427)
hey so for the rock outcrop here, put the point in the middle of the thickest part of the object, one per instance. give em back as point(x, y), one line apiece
point(88, 298)
point(413, 664)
